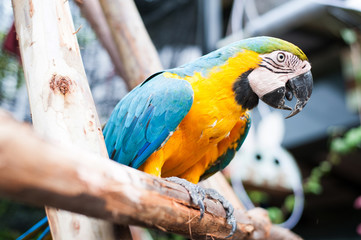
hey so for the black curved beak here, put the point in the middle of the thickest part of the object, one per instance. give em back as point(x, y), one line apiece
point(299, 86)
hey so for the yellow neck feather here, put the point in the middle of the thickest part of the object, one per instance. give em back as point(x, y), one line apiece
point(218, 81)
point(225, 75)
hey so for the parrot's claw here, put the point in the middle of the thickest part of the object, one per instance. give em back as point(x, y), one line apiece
point(231, 220)
point(197, 194)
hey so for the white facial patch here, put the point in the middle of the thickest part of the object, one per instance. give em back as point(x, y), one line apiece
point(262, 80)
point(275, 70)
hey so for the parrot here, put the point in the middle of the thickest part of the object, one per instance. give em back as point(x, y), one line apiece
point(186, 123)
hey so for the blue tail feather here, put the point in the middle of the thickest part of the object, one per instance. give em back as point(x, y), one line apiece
point(35, 229)
point(45, 233)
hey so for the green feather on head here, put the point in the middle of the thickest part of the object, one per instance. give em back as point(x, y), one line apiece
point(263, 45)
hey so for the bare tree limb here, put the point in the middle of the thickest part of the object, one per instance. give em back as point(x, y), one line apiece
point(135, 48)
point(60, 100)
point(37, 172)
point(93, 12)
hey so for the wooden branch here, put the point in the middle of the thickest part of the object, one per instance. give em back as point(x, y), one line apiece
point(136, 50)
point(279, 233)
point(37, 172)
point(60, 100)
point(93, 12)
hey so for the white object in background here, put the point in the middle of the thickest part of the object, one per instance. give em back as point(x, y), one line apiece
point(262, 161)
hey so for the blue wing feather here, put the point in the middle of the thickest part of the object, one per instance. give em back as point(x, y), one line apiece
point(150, 149)
point(144, 118)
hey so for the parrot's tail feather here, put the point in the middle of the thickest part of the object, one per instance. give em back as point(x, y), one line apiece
point(43, 223)
point(44, 234)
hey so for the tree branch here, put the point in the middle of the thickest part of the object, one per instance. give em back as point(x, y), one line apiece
point(136, 50)
point(37, 172)
point(93, 12)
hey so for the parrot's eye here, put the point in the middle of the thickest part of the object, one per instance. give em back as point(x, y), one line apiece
point(281, 57)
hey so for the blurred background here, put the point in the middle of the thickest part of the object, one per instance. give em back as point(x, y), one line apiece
point(312, 168)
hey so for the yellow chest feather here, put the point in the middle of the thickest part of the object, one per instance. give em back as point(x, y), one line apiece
point(215, 111)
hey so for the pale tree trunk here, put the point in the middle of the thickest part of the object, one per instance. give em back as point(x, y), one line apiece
point(60, 100)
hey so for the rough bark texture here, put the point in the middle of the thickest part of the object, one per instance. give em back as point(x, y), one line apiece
point(60, 100)
point(136, 50)
point(69, 178)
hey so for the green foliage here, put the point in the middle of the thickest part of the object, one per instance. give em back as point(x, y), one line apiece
point(313, 185)
point(339, 146)
point(258, 197)
point(348, 143)
point(275, 214)
point(289, 203)
point(349, 35)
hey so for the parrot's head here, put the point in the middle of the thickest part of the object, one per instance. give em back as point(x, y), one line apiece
point(282, 72)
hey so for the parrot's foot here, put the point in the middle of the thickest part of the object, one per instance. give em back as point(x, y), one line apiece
point(231, 220)
point(197, 194)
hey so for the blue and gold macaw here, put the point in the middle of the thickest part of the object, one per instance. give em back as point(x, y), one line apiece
point(188, 122)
